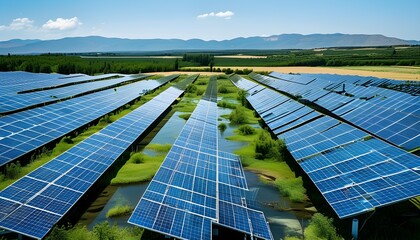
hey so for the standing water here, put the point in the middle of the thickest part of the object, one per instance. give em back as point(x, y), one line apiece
point(281, 222)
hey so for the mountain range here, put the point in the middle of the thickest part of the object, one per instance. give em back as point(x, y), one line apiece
point(284, 41)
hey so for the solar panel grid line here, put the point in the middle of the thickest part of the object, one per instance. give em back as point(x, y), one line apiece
point(76, 172)
point(40, 120)
point(202, 145)
point(373, 165)
point(32, 99)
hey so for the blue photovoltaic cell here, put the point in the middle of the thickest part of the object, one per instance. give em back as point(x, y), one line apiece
point(13, 102)
point(354, 173)
point(197, 185)
point(47, 123)
point(384, 112)
point(46, 194)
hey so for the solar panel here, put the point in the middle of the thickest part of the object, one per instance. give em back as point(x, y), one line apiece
point(36, 202)
point(13, 102)
point(26, 131)
point(377, 110)
point(353, 171)
point(21, 82)
point(198, 186)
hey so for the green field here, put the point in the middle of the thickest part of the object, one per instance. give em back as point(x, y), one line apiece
point(113, 63)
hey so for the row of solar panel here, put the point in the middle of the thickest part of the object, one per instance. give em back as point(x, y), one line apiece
point(26, 131)
point(391, 115)
point(198, 181)
point(14, 102)
point(16, 82)
point(411, 88)
point(35, 203)
point(340, 159)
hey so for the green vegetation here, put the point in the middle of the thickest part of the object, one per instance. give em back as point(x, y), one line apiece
point(242, 94)
point(185, 116)
point(266, 147)
point(12, 170)
point(246, 130)
point(45, 155)
point(379, 56)
point(321, 227)
point(101, 231)
point(119, 210)
point(191, 88)
point(241, 115)
point(141, 167)
point(198, 59)
point(292, 188)
point(226, 104)
point(274, 170)
point(66, 64)
point(222, 127)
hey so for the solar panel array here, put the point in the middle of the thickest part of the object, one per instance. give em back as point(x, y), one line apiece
point(18, 82)
point(13, 102)
point(354, 171)
point(29, 130)
point(198, 186)
point(391, 115)
point(35, 203)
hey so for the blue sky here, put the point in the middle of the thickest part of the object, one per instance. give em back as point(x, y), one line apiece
point(209, 20)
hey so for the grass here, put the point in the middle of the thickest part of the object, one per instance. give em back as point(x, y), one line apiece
point(249, 117)
point(119, 210)
point(273, 171)
point(62, 146)
point(159, 148)
point(185, 116)
point(187, 104)
point(141, 167)
point(100, 231)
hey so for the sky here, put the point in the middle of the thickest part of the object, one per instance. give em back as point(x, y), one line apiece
point(208, 20)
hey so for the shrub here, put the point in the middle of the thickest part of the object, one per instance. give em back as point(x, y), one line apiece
point(238, 116)
point(242, 94)
point(67, 140)
point(191, 88)
point(225, 104)
point(222, 127)
point(13, 170)
point(58, 233)
point(321, 227)
point(266, 147)
point(200, 92)
point(246, 130)
point(103, 231)
point(222, 89)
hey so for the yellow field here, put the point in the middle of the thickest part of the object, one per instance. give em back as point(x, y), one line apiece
point(392, 72)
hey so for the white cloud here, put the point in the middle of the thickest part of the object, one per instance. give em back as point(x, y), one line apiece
point(18, 24)
point(225, 15)
point(62, 24)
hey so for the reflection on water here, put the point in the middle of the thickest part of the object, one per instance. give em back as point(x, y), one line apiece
point(125, 195)
point(279, 221)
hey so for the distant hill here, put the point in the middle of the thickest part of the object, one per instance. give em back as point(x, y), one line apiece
point(283, 41)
